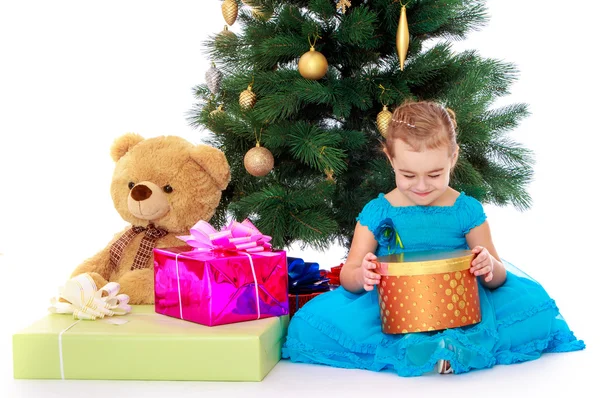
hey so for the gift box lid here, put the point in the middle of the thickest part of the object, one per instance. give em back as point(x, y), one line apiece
point(149, 346)
point(424, 262)
point(424, 256)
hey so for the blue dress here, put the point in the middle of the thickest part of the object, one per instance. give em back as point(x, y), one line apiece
point(342, 329)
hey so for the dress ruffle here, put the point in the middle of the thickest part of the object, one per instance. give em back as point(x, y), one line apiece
point(328, 331)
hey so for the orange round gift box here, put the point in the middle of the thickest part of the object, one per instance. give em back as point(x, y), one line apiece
point(427, 291)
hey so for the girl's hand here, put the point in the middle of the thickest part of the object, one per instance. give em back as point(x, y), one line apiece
point(370, 278)
point(482, 264)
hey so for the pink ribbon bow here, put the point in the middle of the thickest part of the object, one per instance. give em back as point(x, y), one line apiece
point(236, 237)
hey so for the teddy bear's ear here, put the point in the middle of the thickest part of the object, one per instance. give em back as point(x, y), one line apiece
point(123, 144)
point(214, 162)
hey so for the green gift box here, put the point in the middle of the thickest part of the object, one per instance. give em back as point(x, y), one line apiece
point(149, 346)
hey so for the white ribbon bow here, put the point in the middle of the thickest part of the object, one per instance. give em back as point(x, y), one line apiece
point(83, 299)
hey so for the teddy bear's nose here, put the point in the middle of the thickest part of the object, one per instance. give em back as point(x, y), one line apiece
point(140, 192)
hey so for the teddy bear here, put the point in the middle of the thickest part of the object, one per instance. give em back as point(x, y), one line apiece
point(161, 186)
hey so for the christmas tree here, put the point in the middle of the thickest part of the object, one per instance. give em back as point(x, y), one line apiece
point(316, 117)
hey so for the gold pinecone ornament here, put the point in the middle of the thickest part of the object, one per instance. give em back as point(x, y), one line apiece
point(383, 120)
point(247, 98)
point(313, 65)
point(259, 161)
point(229, 9)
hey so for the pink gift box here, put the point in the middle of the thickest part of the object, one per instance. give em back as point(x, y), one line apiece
point(215, 288)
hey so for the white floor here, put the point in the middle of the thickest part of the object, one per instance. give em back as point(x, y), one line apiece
point(570, 373)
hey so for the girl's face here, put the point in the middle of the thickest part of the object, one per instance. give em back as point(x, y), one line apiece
point(422, 176)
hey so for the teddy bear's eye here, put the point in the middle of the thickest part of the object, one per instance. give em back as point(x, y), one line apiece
point(168, 188)
point(131, 184)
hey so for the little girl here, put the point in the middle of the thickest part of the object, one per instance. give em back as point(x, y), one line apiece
point(342, 328)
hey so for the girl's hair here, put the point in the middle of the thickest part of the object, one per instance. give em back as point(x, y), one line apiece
point(422, 125)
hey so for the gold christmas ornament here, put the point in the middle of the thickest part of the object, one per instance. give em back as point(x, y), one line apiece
point(312, 64)
point(329, 175)
point(217, 112)
point(343, 5)
point(226, 33)
point(229, 9)
point(247, 98)
point(402, 37)
point(259, 161)
point(383, 120)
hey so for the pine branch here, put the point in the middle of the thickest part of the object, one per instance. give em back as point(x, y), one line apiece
point(316, 147)
point(451, 20)
point(278, 49)
point(324, 9)
point(357, 28)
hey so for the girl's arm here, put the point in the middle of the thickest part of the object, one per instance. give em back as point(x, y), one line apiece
point(363, 242)
point(482, 236)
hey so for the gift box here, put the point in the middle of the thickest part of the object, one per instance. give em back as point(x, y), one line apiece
point(149, 346)
point(296, 301)
point(334, 275)
point(218, 288)
point(228, 276)
point(305, 282)
point(426, 291)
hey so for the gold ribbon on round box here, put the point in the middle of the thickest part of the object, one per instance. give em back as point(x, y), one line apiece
point(427, 291)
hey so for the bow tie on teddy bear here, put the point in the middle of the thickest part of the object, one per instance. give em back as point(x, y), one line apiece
point(151, 234)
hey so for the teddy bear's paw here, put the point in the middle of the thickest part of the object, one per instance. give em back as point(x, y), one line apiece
point(98, 279)
point(139, 286)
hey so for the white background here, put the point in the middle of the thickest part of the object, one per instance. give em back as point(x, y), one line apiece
point(76, 75)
